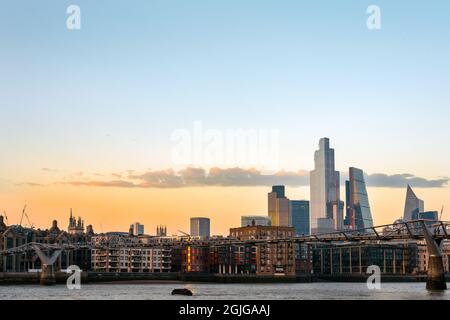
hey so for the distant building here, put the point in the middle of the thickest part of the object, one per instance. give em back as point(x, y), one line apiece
point(299, 210)
point(427, 215)
point(358, 214)
point(161, 231)
point(335, 259)
point(195, 259)
point(15, 236)
point(120, 252)
point(247, 221)
point(200, 227)
point(271, 258)
point(325, 189)
point(75, 226)
point(423, 256)
point(138, 229)
point(278, 206)
point(413, 205)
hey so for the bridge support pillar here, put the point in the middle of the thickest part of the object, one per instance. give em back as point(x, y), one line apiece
point(47, 276)
point(436, 274)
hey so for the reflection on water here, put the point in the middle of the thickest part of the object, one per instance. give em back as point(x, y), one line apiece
point(203, 291)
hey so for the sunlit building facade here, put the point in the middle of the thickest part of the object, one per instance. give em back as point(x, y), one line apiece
point(413, 205)
point(278, 205)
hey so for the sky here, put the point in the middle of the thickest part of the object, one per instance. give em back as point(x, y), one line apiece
point(105, 119)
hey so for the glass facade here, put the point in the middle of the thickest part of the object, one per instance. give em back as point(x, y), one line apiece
point(413, 205)
point(200, 227)
point(324, 181)
point(359, 215)
point(299, 211)
point(355, 259)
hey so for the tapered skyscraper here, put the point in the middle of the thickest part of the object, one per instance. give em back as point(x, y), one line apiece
point(359, 215)
point(326, 207)
point(413, 205)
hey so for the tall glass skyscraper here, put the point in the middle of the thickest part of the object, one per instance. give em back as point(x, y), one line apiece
point(279, 207)
point(326, 207)
point(358, 215)
point(299, 210)
point(413, 205)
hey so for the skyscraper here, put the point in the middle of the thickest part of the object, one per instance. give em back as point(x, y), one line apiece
point(326, 207)
point(299, 210)
point(279, 207)
point(358, 214)
point(200, 227)
point(138, 229)
point(413, 205)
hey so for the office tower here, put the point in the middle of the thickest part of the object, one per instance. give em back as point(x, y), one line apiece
point(299, 210)
point(358, 214)
point(247, 221)
point(279, 207)
point(279, 190)
point(138, 229)
point(200, 227)
point(326, 206)
point(413, 205)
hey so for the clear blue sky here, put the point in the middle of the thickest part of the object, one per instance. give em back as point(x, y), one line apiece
point(108, 97)
point(113, 92)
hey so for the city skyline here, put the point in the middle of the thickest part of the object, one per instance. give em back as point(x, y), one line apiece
point(360, 203)
point(294, 179)
point(89, 116)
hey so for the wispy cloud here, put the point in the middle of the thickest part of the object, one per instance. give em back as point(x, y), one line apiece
point(199, 177)
point(30, 184)
point(401, 180)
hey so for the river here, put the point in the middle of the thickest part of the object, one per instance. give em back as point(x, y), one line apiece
point(208, 291)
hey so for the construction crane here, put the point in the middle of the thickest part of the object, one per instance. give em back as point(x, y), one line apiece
point(186, 234)
point(24, 213)
point(6, 217)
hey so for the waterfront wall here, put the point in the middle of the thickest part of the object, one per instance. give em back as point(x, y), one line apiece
point(97, 277)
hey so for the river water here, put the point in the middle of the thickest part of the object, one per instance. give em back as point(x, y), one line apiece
point(203, 291)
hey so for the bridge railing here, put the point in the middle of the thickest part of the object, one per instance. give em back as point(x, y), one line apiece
point(400, 230)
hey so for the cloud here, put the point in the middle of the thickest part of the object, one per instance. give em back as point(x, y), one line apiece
point(401, 180)
point(49, 170)
point(117, 183)
point(199, 177)
point(239, 177)
point(29, 184)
